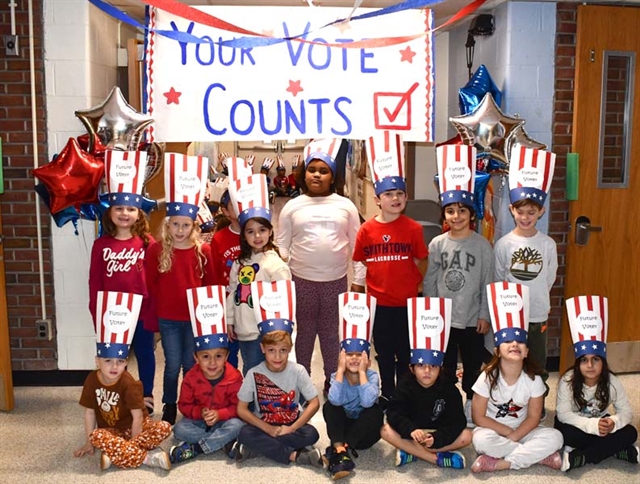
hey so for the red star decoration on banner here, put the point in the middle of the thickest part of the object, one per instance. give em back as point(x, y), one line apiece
point(407, 55)
point(173, 96)
point(294, 88)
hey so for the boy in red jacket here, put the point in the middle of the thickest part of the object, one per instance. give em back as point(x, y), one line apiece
point(209, 392)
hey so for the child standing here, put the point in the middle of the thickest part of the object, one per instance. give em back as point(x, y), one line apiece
point(277, 428)
point(115, 418)
point(209, 393)
point(508, 394)
point(352, 415)
point(525, 255)
point(179, 261)
point(460, 266)
point(316, 235)
point(258, 261)
point(392, 247)
point(586, 392)
point(425, 418)
point(117, 258)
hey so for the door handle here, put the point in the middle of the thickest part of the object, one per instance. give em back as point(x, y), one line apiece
point(583, 229)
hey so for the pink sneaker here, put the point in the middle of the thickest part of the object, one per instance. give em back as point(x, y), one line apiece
point(554, 461)
point(484, 463)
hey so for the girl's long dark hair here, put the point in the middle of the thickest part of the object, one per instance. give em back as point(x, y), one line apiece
point(140, 228)
point(493, 370)
point(602, 388)
point(245, 249)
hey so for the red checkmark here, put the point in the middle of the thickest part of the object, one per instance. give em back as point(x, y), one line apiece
point(403, 100)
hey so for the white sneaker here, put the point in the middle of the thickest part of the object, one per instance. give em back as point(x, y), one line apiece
point(158, 459)
point(467, 413)
point(105, 462)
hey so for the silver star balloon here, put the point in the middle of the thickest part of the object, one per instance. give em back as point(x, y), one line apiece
point(115, 122)
point(487, 128)
point(520, 137)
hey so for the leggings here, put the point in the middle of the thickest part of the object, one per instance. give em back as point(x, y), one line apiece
point(143, 347)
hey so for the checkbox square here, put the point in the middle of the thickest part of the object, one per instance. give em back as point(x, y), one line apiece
point(392, 110)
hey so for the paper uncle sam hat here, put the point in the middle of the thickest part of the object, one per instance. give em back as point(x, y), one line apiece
point(185, 182)
point(324, 150)
point(385, 152)
point(509, 310)
point(274, 305)
point(117, 316)
point(251, 159)
point(205, 218)
point(238, 168)
point(589, 323)
point(357, 312)
point(295, 162)
point(124, 173)
point(250, 197)
point(429, 329)
point(267, 163)
point(456, 173)
point(530, 174)
point(280, 163)
point(207, 314)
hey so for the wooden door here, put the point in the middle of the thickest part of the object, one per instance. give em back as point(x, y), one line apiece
point(606, 134)
point(6, 380)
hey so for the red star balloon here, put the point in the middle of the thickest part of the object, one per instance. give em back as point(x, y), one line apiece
point(115, 122)
point(97, 149)
point(72, 178)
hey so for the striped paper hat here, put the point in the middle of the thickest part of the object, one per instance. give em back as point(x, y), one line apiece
point(124, 173)
point(589, 323)
point(208, 319)
point(323, 149)
point(205, 218)
point(429, 328)
point(117, 316)
point(357, 312)
point(238, 168)
point(250, 159)
point(456, 173)
point(274, 305)
point(295, 162)
point(250, 197)
point(385, 153)
point(185, 182)
point(280, 163)
point(509, 309)
point(267, 163)
point(530, 174)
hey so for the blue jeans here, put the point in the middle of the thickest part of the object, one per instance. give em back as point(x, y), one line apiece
point(178, 346)
point(142, 346)
point(251, 353)
point(234, 347)
point(277, 448)
point(195, 432)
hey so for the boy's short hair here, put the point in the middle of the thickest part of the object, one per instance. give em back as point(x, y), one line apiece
point(277, 337)
point(207, 349)
point(527, 202)
point(471, 209)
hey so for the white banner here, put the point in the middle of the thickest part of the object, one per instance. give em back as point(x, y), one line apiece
point(291, 90)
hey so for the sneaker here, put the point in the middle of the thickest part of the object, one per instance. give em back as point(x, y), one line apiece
point(272, 197)
point(453, 460)
point(572, 460)
point(159, 459)
point(630, 454)
point(339, 463)
point(310, 457)
point(467, 413)
point(383, 402)
point(170, 412)
point(554, 461)
point(228, 449)
point(148, 402)
point(484, 463)
point(242, 452)
point(403, 458)
point(105, 461)
point(325, 390)
point(181, 452)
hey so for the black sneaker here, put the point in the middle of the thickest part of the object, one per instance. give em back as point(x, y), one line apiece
point(242, 452)
point(572, 460)
point(310, 457)
point(630, 454)
point(228, 449)
point(339, 463)
point(170, 412)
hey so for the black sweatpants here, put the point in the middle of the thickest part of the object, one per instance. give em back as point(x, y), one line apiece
point(391, 342)
point(472, 352)
point(359, 433)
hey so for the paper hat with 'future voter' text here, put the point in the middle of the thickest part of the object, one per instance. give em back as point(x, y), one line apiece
point(274, 305)
point(117, 316)
point(205, 218)
point(509, 310)
point(429, 329)
point(185, 183)
point(530, 174)
point(324, 150)
point(124, 174)
point(385, 153)
point(250, 197)
point(456, 173)
point(238, 168)
point(589, 323)
point(208, 320)
point(357, 312)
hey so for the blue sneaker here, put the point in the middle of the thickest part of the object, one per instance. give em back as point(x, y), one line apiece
point(182, 452)
point(453, 460)
point(403, 457)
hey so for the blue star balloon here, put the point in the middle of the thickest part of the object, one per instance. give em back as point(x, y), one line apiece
point(472, 93)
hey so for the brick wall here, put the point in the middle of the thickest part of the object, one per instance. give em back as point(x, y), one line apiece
point(18, 202)
point(561, 145)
